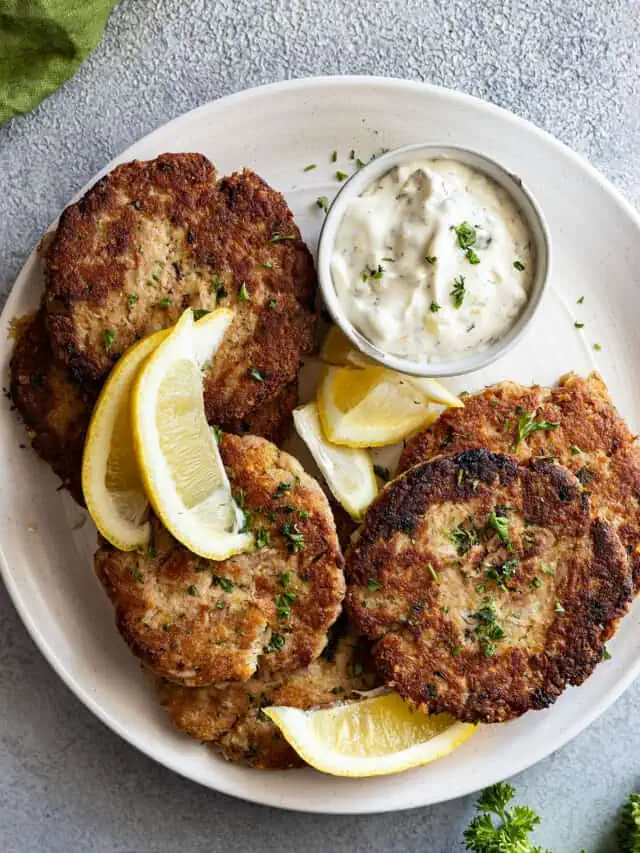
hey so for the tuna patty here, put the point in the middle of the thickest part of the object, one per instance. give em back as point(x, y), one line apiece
point(198, 622)
point(229, 717)
point(490, 585)
point(55, 410)
point(590, 439)
point(153, 238)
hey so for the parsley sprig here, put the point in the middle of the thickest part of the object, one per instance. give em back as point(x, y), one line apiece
point(511, 833)
point(527, 425)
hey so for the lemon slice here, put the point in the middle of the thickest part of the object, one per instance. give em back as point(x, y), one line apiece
point(337, 350)
point(371, 407)
point(177, 453)
point(373, 737)
point(348, 471)
point(111, 484)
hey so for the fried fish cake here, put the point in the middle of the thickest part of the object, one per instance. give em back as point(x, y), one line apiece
point(199, 622)
point(575, 422)
point(230, 719)
point(489, 585)
point(55, 410)
point(153, 238)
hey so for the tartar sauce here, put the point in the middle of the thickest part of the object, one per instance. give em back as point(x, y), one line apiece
point(433, 261)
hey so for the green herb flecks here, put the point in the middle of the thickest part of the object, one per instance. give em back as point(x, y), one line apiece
point(503, 572)
point(527, 425)
point(132, 298)
point(519, 266)
point(323, 203)
point(225, 584)
point(283, 604)
point(597, 347)
point(165, 303)
point(500, 523)
point(334, 156)
point(109, 337)
point(254, 373)
point(280, 238)
point(263, 538)
point(559, 608)
point(243, 293)
point(268, 265)
point(282, 489)
point(459, 291)
point(430, 259)
point(276, 644)
point(487, 629)
point(463, 537)
point(341, 176)
point(578, 325)
point(294, 537)
point(192, 590)
point(466, 235)
point(199, 313)
point(310, 167)
point(373, 585)
point(434, 307)
point(580, 301)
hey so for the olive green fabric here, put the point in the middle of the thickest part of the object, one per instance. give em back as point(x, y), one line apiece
point(42, 43)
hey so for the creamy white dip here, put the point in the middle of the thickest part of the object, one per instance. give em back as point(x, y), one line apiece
point(433, 261)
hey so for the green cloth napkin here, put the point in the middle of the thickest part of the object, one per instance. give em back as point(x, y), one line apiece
point(42, 43)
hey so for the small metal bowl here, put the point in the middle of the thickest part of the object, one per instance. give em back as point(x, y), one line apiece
point(523, 199)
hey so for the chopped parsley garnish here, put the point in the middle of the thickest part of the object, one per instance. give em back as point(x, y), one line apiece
point(382, 472)
point(463, 538)
point(503, 572)
point(284, 579)
point(254, 373)
point(267, 265)
point(433, 572)
point(389, 260)
point(239, 498)
point(458, 291)
point(574, 450)
point(430, 259)
point(352, 154)
point(263, 538)
point(578, 325)
point(434, 307)
point(360, 163)
point(243, 293)
point(580, 301)
point(276, 643)
point(310, 167)
point(455, 651)
point(165, 303)
point(192, 590)
point(536, 583)
point(471, 256)
point(597, 347)
point(559, 608)
point(303, 513)
point(280, 238)
point(199, 313)
point(283, 604)
point(132, 298)
point(527, 425)
point(295, 539)
point(585, 475)
point(282, 488)
point(369, 272)
point(519, 265)
point(271, 303)
point(466, 234)
point(220, 604)
point(136, 574)
point(500, 524)
point(606, 654)
point(341, 176)
point(226, 584)
point(545, 569)
point(109, 338)
point(487, 628)
point(217, 433)
point(334, 156)
point(323, 203)
point(373, 585)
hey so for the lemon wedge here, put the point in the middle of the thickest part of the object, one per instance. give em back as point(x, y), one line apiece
point(337, 350)
point(370, 407)
point(372, 737)
point(348, 471)
point(177, 453)
point(111, 484)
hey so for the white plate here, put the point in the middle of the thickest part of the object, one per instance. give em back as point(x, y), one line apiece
point(277, 130)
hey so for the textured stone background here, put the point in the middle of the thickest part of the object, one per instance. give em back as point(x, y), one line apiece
point(571, 66)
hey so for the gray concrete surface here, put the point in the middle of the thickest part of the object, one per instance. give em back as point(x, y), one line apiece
point(67, 784)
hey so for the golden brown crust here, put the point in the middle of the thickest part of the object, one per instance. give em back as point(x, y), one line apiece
point(230, 718)
point(482, 624)
point(272, 420)
point(199, 622)
point(591, 440)
point(55, 410)
point(153, 238)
